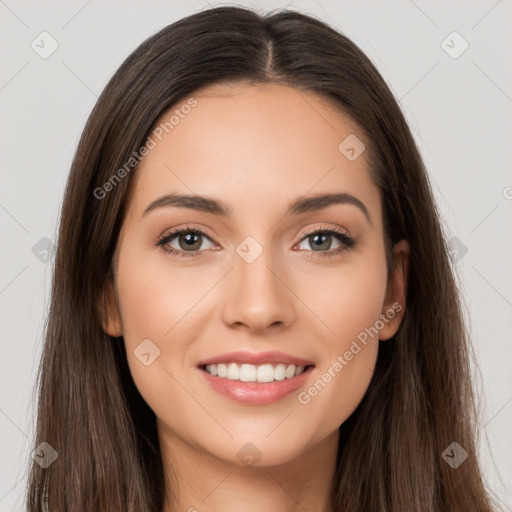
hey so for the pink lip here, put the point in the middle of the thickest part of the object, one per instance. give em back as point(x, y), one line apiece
point(255, 393)
point(243, 356)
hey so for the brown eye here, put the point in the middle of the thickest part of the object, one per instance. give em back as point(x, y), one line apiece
point(185, 240)
point(189, 241)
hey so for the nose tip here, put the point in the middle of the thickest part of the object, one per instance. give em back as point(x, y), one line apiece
point(257, 299)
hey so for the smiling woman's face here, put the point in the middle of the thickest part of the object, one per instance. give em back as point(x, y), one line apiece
point(259, 278)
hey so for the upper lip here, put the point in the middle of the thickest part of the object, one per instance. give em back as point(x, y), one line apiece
point(256, 358)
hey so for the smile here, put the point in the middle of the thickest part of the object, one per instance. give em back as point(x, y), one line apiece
point(255, 392)
point(254, 373)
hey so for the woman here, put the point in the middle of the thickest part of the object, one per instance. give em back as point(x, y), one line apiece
point(252, 305)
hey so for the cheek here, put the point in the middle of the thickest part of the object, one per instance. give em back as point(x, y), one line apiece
point(154, 298)
point(154, 306)
point(349, 308)
point(346, 298)
point(158, 304)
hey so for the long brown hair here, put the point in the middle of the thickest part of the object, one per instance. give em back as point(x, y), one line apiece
point(420, 399)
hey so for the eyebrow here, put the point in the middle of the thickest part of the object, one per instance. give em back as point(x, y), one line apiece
point(300, 205)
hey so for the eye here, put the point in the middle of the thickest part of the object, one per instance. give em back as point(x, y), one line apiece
point(321, 239)
point(189, 242)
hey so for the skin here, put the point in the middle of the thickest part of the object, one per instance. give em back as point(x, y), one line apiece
point(256, 148)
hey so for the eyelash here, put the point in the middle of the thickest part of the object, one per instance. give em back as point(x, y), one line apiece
point(347, 241)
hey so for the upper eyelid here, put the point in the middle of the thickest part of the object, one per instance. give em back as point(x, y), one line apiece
point(329, 229)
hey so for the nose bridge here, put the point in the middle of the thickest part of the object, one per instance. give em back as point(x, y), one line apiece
point(256, 293)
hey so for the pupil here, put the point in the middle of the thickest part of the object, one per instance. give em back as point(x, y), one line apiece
point(191, 241)
point(322, 245)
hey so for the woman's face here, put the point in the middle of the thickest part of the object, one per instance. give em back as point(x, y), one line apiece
point(263, 276)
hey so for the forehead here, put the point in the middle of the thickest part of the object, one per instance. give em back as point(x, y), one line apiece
point(252, 144)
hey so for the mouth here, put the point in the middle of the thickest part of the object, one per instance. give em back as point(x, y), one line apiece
point(255, 373)
point(249, 384)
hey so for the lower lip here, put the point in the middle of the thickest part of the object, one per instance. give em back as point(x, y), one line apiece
point(256, 393)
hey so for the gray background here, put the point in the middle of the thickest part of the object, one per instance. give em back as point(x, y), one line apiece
point(460, 110)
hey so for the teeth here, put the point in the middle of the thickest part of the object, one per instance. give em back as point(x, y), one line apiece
point(253, 373)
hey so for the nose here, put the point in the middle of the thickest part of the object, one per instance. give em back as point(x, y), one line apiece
point(257, 295)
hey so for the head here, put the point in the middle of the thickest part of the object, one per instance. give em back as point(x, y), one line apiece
point(318, 237)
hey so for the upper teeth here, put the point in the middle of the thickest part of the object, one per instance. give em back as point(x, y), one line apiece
point(253, 373)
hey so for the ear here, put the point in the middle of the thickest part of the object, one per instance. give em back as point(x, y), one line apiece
point(393, 309)
point(109, 312)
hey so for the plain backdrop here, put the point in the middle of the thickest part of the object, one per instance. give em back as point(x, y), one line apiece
point(454, 88)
